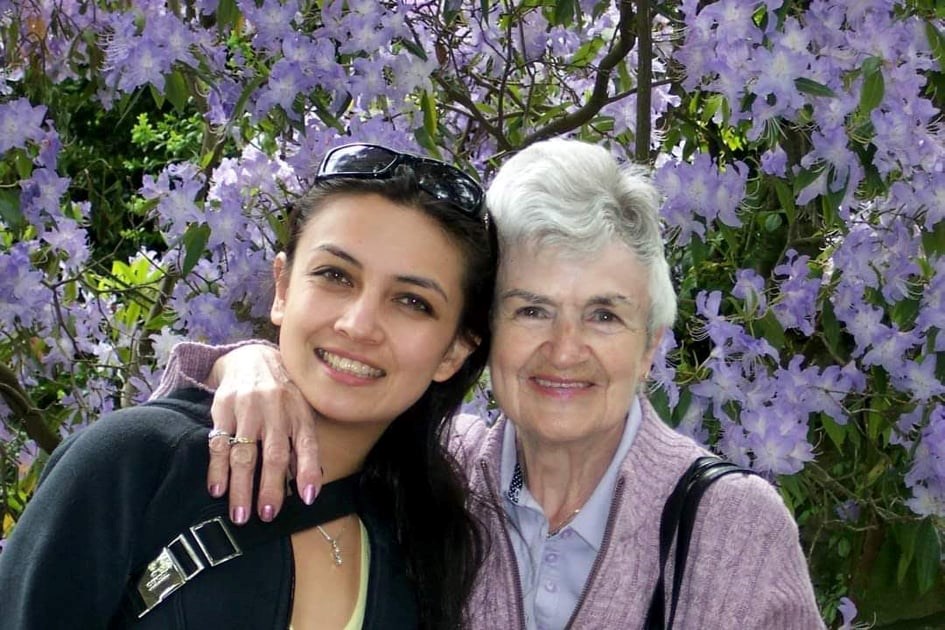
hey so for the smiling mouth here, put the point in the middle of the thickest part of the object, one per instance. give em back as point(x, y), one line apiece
point(348, 366)
point(561, 384)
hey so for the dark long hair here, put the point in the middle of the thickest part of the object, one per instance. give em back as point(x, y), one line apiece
point(409, 472)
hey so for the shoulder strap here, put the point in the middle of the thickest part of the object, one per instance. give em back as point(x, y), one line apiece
point(677, 520)
point(212, 540)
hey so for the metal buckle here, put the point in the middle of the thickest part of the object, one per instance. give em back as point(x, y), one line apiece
point(221, 524)
point(165, 574)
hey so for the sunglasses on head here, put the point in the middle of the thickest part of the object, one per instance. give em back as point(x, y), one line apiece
point(439, 179)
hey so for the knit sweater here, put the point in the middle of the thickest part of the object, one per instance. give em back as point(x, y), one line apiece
point(745, 566)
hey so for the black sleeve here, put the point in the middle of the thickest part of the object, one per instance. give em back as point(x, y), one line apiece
point(68, 561)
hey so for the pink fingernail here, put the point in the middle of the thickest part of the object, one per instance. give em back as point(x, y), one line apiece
point(268, 512)
point(238, 515)
point(216, 491)
point(309, 494)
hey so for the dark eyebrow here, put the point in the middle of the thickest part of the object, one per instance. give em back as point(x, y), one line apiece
point(425, 283)
point(419, 281)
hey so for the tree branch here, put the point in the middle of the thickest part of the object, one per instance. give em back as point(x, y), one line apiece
point(644, 78)
point(623, 43)
point(29, 417)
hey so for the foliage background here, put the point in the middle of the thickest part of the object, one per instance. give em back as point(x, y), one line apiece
point(147, 147)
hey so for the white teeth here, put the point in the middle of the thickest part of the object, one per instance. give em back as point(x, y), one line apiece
point(560, 385)
point(349, 365)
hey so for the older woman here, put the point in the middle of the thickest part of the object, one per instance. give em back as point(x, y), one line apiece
point(579, 466)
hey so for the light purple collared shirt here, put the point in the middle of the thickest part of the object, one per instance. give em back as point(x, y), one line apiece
point(553, 570)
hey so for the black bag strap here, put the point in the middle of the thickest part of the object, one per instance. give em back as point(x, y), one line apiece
point(676, 521)
point(212, 540)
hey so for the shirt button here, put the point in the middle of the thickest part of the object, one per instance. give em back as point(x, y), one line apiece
point(550, 586)
point(551, 557)
point(566, 533)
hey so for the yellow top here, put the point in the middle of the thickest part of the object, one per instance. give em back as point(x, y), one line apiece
point(357, 615)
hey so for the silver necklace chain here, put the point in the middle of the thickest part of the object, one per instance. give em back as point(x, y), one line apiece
point(335, 547)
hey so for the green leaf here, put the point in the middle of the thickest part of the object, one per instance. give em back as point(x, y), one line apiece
point(771, 330)
point(875, 473)
point(428, 105)
point(415, 48)
point(660, 402)
point(565, 12)
point(928, 553)
point(836, 432)
point(831, 327)
point(10, 208)
point(773, 222)
point(809, 86)
point(903, 314)
point(175, 88)
point(933, 241)
point(195, 245)
point(805, 177)
point(905, 534)
point(786, 199)
point(156, 95)
point(937, 43)
point(874, 86)
point(227, 14)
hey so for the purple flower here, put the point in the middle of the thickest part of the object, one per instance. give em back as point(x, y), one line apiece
point(890, 347)
point(69, 238)
point(41, 194)
point(848, 511)
point(750, 287)
point(726, 384)
point(662, 373)
point(777, 437)
point(20, 123)
point(926, 478)
point(797, 303)
point(774, 161)
point(918, 377)
point(847, 610)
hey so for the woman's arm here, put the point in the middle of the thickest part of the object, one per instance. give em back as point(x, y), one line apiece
point(253, 399)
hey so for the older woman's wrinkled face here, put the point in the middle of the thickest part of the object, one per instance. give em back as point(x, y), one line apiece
point(570, 344)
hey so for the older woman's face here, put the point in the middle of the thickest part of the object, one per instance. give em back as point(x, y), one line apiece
point(570, 345)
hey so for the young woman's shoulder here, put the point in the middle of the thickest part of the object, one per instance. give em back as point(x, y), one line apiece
point(143, 433)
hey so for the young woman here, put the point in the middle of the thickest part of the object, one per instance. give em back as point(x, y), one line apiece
point(382, 299)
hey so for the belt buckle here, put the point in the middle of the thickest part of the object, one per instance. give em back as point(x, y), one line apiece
point(197, 531)
point(165, 574)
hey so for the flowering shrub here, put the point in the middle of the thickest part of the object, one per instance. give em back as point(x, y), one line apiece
point(147, 149)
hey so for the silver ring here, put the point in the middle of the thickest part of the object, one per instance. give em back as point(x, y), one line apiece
point(218, 433)
point(241, 440)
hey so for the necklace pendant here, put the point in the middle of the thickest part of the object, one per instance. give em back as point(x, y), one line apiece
point(336, 553)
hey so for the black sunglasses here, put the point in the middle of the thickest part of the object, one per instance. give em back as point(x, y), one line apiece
point(439, 179)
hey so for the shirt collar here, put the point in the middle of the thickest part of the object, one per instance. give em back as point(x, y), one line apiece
point(591, 521)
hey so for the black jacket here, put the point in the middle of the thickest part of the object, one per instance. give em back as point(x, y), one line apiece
point(113, 495)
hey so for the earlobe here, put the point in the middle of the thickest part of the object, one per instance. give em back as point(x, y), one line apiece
point(454, 358)
point(655, 340)
point(280, 277)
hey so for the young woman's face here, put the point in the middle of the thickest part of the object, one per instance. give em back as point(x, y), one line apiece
point(368, 312)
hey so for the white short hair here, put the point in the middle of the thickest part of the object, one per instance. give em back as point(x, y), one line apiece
point(576, 196)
